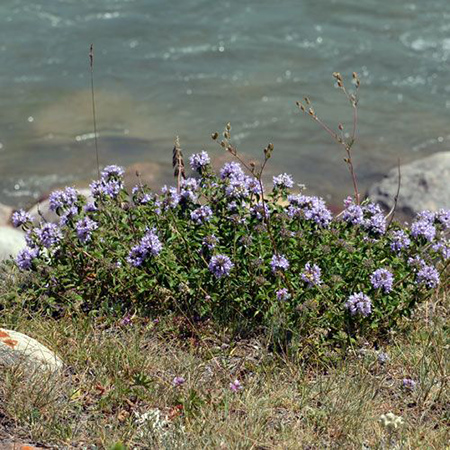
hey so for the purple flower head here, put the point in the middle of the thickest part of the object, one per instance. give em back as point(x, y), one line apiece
point(140, 197)
point(283, 294)
point(106, 187)
point(126, 321)
point(443, 217)
point(260, 211)
point(201, 215)
point(220, 265)
point(283, 181)
point(170, 197)
point(236, 188)
point(424, 228)
point(236, 386)
point(112, 172)
point(90, 207)
point(428, 276)
point(354, 214)
point(348, 201)
point(376, 223)
point(383, 358)
point(400, 240)
point(252, 184)
point(369, 216)
point(63, 200)
point(310, 208)
point(84, 229)
point(21, 218)
point(25, 258)
point(49, 234)
point(408, 384)
point(311, 275)
point(150, 245)
point(279, 262)
point(416, 263)
point(199, 161)
point(426, 215)
point(210, 242)
point(359, 304)
point(442, 246)
point(383, 279)
point(189, 188)
point(231, 170)
point(178, 381)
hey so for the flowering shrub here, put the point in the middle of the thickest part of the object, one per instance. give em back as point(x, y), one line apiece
point(217, 248)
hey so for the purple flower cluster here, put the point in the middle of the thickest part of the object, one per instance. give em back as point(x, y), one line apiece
point(178, 381)
point(84, 229)
point(283, 294)
point(428, 276)
point(260, 210)
point(63, 200)
point(231, 170)
point(201, 215)
point(442, 246)
point(110, 184)
point(220, 265)
point(400, 240)
point(210, 242)
point(49, 234)
point(237, 184)
point(311, 275)
point(359, 304)
point(423, 226)
point(279, 262)
point(236, 386)
point(21, 218)
point(443, 217)
point(310, 208)
point(140, 197)
point(112, 172)
point(25, 258)
point(189, 188)
point(170, 197)
point(150, 245)
point(199, 161)
point(369, 216)
point(283, 181)
point(382, 279)
point(408, 384)
point(425, 274)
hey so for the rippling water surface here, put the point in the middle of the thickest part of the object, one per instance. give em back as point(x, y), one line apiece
point(186, 67)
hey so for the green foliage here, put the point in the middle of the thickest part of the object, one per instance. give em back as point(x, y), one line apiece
point(153, 254)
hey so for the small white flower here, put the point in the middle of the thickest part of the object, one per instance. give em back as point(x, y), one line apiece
point(391, 421)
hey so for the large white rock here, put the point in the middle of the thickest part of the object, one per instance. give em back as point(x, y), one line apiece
point(17, 348)
point(11, 242)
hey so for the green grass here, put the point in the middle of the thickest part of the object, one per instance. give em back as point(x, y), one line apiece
point(115, 373)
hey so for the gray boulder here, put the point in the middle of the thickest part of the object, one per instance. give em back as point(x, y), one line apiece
point(11, 242)
point(18, 348)
point(425, 184)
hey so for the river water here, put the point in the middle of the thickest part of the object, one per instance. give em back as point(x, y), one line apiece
point(187, 67)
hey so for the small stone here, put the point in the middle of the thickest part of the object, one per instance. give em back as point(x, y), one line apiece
point(17, 348)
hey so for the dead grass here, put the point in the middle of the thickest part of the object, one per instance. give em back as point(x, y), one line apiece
point(118, 376)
